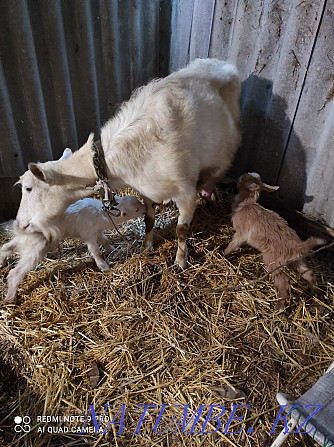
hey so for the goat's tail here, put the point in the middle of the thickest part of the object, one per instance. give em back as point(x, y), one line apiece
point(311, 243)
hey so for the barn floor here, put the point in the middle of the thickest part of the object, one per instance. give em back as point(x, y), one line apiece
point(144, 334)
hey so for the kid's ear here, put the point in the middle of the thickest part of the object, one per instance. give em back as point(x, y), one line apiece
point(269, 188)
point(66, 154)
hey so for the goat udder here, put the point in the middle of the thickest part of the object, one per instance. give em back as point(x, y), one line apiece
point(207, 193)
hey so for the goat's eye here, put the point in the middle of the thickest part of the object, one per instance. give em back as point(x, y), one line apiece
point(29, 189)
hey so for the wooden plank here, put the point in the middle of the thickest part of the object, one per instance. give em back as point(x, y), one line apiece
point(165, 30)
point(306, 177)
point(150, 36)
point(201, 28)
point(222, 25)
point(111, 66)
point(182, 12)
point(55, 76)
point(11, 160)
point(130, 46)
point(79, 37)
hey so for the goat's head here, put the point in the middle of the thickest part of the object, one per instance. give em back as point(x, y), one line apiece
point(131, 207)
point(251, 184)
point(48, 189)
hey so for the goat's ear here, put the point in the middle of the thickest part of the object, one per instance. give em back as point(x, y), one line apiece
point(66, 154)
point(269, 188)
point(37, 171)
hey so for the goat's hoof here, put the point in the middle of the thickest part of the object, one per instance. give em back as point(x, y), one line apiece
point(104, 267)
point(177, 268)
point(10, 297)
point(280, 306)
point(180, 265)
point(147, 247)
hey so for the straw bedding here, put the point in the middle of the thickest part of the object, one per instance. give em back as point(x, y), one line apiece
point(146, 334)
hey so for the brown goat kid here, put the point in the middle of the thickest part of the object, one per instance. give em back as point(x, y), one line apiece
point(268, 232)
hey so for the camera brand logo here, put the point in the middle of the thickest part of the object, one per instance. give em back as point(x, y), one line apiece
point(22, 424)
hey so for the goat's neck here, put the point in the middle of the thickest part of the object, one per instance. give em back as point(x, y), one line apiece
point(80, 167)
point(244, 198)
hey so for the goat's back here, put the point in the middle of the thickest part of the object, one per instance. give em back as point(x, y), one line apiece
point(175, 128)
point(266, 231)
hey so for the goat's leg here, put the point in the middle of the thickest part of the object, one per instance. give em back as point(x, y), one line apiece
point(235, 244)
point(308, 275)
point(211, 202)
point(104, 241)
point(282, 283)
point(149, 224)
point(7, 250)
point(27, 262)
point(186, 207)
point(94, 250)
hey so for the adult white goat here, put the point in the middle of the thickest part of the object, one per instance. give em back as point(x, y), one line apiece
point(175, 136)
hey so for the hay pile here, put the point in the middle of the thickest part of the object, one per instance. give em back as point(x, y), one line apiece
point(145, 334)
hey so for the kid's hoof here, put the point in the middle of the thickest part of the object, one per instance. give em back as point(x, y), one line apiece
point(104, 267)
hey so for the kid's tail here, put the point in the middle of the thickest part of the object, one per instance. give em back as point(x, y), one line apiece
point(311, 243)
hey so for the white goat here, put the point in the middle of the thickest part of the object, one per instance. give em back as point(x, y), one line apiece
point(269, 233)
point(174, 137)
point(85, 220)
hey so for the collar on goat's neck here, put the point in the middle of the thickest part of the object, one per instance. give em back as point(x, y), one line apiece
point(107, 196)
point(99, 161)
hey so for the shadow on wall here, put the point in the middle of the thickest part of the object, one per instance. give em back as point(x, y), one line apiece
point(165, 30)
point(10, 197)
point(266, 131)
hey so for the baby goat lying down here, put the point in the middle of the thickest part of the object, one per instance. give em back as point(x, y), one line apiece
point(84, 219)
point(268, 232)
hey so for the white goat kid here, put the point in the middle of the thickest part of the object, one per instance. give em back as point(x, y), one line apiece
point(174, 137)
point(86, 220)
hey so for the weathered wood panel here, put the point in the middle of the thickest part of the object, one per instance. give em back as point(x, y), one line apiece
point(182, 14)
point(222, 26)
point(307, 173)
point(201, 28)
